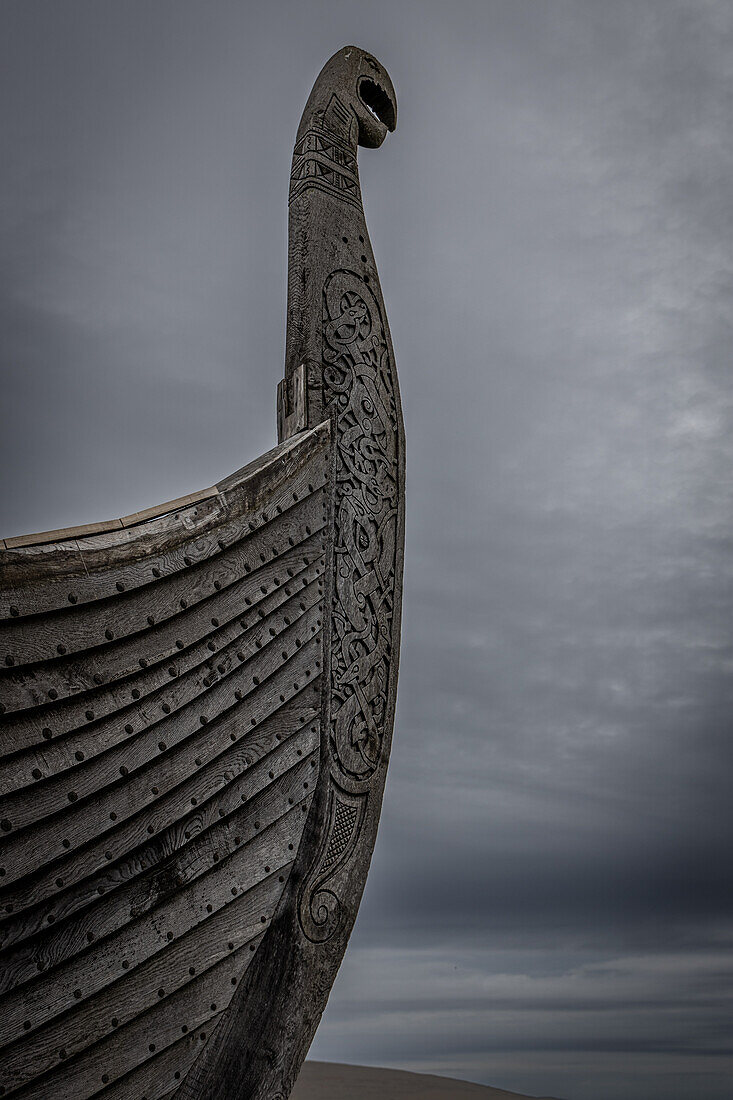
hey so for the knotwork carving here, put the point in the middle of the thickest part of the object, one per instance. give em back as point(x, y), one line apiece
point(359, 395)
point(358, 391)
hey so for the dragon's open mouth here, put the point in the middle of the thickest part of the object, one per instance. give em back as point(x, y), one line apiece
point(376, 99)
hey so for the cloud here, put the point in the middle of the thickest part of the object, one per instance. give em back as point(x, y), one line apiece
point(549, 902)
point(614, 1025)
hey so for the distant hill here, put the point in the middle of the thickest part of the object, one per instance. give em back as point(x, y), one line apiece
point(331, 1081)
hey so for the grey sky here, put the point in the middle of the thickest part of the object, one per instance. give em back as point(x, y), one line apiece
point(549, 907)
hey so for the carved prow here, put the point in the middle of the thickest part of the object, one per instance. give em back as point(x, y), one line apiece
point(327, 230)
point(339, 368)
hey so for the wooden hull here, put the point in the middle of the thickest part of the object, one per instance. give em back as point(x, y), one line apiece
point(161, 738)
point(197, 709)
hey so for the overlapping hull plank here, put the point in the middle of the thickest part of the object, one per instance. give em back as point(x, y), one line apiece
point(197, 703)
point(156, 782)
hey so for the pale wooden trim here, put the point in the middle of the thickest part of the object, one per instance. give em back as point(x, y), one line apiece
point(169, 506)
point(136, 518)
point(63, 533)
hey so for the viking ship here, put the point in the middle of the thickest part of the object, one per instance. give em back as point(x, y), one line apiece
point(198, 702)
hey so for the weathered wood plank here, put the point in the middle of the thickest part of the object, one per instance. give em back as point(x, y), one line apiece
point(162, 1074)
point(90, 1074)
point(77, 629)
point(36, 1051)
point(124, 1050)
point(62, 534)
point(36, 579)
point(166, 715)
point(264, 791)
point(49, 839)
point(100, 867)
point(25, 727)
point(140, 938)
point(283, 463)
point(169, 506)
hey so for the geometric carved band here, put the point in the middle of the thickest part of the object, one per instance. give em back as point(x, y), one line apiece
point(321, 161)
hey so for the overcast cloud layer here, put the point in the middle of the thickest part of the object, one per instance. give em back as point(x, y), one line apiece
point(549, 908)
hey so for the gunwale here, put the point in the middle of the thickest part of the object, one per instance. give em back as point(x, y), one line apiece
point(155, 511)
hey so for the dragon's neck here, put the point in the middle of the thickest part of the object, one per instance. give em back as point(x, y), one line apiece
point(327, 234)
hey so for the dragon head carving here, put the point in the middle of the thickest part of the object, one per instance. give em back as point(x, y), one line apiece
point(354, 96)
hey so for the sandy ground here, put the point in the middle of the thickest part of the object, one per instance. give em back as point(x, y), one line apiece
point(331, 1081)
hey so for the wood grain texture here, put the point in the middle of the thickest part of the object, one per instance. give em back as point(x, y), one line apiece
point(161, 738)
